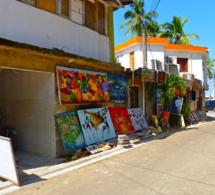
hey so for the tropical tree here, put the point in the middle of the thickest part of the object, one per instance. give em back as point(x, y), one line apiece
point(136, 18)
point(210, 68)
point(154, 29)
point(175, 33)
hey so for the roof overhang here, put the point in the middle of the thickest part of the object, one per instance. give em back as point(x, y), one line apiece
point(29, 57)
point(116, 3)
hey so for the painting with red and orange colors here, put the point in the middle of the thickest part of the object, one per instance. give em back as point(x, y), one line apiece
point(81, 86)
point(121, 120)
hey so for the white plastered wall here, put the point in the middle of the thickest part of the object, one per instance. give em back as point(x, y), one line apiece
point(195, 61)
point(23, 23)
point(28, 101)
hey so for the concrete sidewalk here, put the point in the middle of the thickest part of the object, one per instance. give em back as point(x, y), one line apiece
point(44, 168)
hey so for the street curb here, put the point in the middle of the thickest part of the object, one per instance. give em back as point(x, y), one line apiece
point(55, 170)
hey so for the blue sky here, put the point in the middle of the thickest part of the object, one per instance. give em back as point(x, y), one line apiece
point(200, 14)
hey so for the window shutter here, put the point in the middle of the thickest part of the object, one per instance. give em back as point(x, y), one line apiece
point(65, 8)
point(132, 66)
point(47, 5)
point(30, 2)
point(90, 17)
point(101, 18)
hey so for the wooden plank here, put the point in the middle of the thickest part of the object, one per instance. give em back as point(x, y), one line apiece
point(101, 18)
point(90, 17)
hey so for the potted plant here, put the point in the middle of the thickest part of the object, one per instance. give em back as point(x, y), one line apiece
point(167, 90)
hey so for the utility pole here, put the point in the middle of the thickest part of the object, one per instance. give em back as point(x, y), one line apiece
point(144, 49)
point(144, 45)
point(214, 78)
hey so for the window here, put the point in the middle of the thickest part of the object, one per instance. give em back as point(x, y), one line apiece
point(90, 17)
point(47, 5)
point(30, 2)
point(64, 8)
point(101, 18)
point(77, 11)
point(132, 65)
point(183, 62)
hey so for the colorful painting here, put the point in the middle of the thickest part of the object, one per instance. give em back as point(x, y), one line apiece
point(195, 116)
point(159, 110)
point(121, 120)
point(96, 125)
point(70, 131)
point(148, 75)
point(118, 87)
point(201, 115)
point(164, 124)
point(137, 118)
point(192, 120)
point(161, 77)
point(156, 123)
point(81, 86)
point(205, 114)
point(136, 82)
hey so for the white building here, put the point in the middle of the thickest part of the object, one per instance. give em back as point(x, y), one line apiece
point(189, 59)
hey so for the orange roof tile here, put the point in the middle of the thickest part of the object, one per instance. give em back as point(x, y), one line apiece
point(185, 47)
point(151, 40)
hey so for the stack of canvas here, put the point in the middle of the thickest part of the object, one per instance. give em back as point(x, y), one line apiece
point(123, 141)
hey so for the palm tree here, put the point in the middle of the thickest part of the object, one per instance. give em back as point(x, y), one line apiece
point(136, 18)
point(174, 31)
point(210, 68)
point(153, 29)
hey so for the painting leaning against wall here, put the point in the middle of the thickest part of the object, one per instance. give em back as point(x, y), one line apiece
point(96, 125)
point(70, 131)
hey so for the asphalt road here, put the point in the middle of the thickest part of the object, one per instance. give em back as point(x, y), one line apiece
point(180, 164)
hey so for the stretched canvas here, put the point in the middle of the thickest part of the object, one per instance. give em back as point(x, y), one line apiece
point(192, 120)
point(201, 115)
point(156, 123)
point(121, 120)
point(81, 86)
point(117, 86)
point(137, 118)
point(195, 116)
point(164, 124)
point(70, 131)
point(148, 75)
point(96, 125)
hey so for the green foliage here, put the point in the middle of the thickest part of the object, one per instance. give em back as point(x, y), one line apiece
point(174, 31)
point(185, 110)
point(153, 29)
point(136, 18)
point(210, 68)
point(167, 88)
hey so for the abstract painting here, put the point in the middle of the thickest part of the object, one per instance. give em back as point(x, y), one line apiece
point(156, 123)
point(164, 124)
point(121, 120)
point(96, 125)
point(70, 131)
point(137, 118)
point(117, 86)
point(81, 86)
point(148, 75)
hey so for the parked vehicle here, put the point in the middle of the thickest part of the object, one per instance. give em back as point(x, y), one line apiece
point(210, 105)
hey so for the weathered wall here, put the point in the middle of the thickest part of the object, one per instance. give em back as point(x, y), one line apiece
point(27, 24)
point(28, 101)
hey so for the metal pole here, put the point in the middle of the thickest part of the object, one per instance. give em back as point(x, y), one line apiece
point(214, 79)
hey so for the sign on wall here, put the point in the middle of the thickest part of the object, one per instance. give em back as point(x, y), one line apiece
point(81, 86)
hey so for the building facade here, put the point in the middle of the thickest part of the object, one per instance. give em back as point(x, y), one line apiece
point(37, 37)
